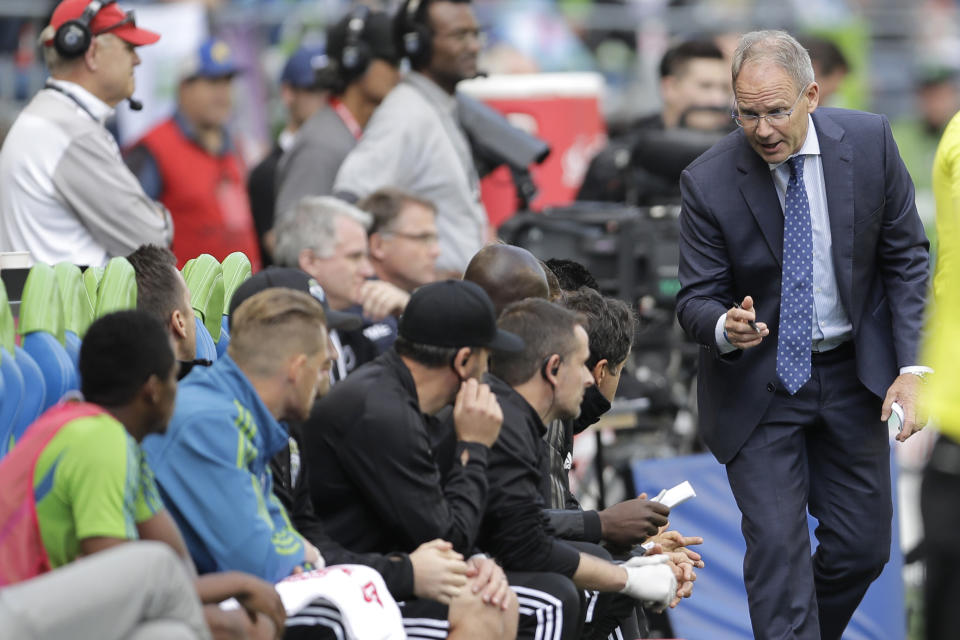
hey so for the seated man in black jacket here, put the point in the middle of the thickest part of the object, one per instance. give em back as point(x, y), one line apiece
point(610, 328)
point(434, 570)
point(543, 382)
point(373, 476)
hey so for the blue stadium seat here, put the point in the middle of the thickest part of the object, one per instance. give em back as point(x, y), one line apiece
point(11, 397)
point(223, 342)
point(206, 347)
point(34, 392)
point(43, 335)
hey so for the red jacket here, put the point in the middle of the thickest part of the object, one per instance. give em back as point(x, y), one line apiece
point(206, 195)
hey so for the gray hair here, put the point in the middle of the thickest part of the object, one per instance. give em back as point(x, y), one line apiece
point(778, 47)
point(50, 56)
point(311, 224)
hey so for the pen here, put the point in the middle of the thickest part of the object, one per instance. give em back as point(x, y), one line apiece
point(753, 325)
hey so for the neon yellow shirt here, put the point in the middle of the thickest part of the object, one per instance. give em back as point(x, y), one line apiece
point(91, 480)
point(942, 349)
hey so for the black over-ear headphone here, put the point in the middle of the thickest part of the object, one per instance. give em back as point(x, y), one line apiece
point(356, 55)
point(73, 37)
point(415, 35)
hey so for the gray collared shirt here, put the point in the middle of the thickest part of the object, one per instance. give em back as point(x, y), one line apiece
point(414, 142)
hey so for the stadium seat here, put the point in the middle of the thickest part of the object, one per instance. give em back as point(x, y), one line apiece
point(236, 269)
point(118, 288)
point(34, 393)
point(204, 278)
point(91, 282)
point(43, 336)
point(11, 398)
point(77, 310)
point(206, 349)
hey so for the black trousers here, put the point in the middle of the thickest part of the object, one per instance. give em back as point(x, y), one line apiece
point(605, 613)
point(321, 620)
point(549, 608)
point(550, 605)
point(940, 507)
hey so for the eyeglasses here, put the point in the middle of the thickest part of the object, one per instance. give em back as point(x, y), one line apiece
point(750, 121)
point(129, 18)
point(427, 237)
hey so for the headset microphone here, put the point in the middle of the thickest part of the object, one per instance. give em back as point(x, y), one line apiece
point(135, 104)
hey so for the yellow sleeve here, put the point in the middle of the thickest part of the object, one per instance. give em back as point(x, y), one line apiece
point(942, 347)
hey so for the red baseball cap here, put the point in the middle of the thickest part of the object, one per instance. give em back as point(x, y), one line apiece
point(109, 19)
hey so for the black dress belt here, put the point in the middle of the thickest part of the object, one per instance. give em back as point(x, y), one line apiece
point(841, 352)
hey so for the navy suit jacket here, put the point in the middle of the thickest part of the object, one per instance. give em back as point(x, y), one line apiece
point(731, 245)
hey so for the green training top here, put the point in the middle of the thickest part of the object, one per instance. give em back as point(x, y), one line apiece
point(91, 480)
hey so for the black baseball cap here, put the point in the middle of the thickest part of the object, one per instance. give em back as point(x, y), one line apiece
point(455, 313)
point(301, 281)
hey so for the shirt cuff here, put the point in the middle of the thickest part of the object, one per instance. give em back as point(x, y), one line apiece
point(478, 452)
point(592, 529)
point(916, 370)
point(564, 559)
point(720, 336)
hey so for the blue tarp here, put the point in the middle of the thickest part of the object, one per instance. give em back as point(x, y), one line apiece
point(718, 608)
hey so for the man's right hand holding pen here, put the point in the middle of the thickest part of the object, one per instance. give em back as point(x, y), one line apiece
point(741, 328)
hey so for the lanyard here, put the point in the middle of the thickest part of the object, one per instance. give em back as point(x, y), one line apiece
point(348, 120)
point(53, 87)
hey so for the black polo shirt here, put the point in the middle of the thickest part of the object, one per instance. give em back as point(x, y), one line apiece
point(373, 478)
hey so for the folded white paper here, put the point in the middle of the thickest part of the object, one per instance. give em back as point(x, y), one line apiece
point(676, 495)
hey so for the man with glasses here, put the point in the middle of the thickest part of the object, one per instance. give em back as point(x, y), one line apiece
point(404, 247)
point(415, 141)
point(327, 238)
point(66, 193)
point(803, 271)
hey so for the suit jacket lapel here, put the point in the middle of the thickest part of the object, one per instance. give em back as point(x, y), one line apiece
point(757, 188)
point(837, 159)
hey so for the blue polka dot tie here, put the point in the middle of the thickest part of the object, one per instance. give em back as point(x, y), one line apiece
point(796, 285)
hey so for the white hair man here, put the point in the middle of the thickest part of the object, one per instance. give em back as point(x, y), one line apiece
point(327, 238)
point(67, 194)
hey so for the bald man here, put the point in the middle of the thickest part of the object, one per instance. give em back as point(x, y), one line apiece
point(508, 274)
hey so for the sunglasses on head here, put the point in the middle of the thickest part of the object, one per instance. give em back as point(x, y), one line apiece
point(128, 19)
